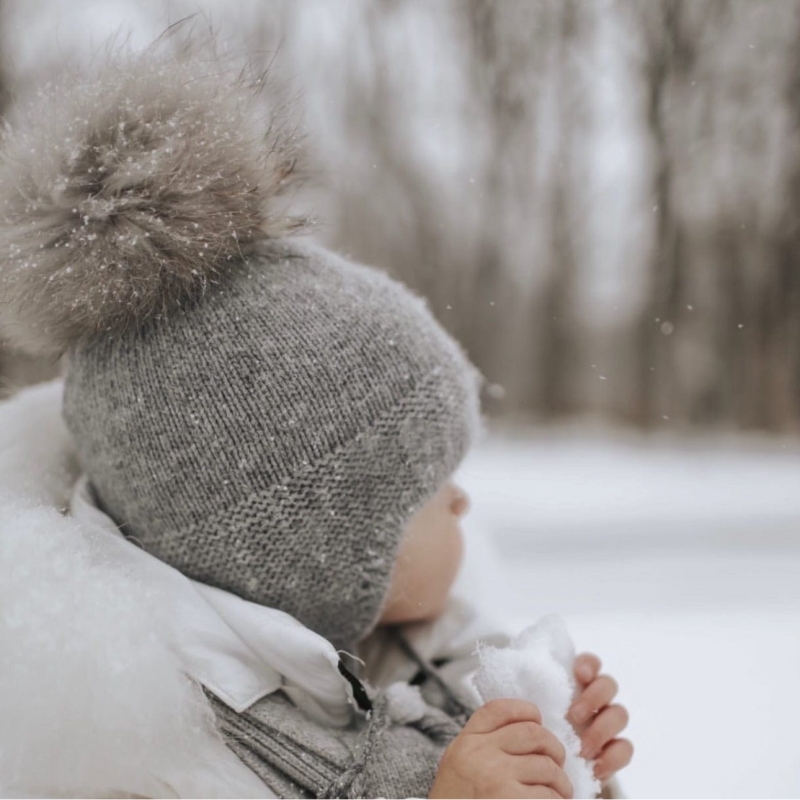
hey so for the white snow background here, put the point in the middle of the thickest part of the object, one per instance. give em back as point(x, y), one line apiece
point(678, 563)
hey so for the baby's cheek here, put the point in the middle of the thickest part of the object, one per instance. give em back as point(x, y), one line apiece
point(459, 549)
point(450, 562)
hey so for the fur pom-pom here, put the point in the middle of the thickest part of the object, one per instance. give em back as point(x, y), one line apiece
point(126, 191)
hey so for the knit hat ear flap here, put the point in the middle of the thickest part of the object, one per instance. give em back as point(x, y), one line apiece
point(128, 190)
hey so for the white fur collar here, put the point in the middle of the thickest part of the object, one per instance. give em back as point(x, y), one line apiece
point(94, 699)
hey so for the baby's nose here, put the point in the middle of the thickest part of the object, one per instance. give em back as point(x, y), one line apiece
point(459, 505)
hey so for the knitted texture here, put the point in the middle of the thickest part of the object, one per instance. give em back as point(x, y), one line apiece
point(274, 438)
point(373, 757)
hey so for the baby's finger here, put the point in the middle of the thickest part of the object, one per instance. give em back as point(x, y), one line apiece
point(526, 738)
point(498, 713)
point(616, 755)
point(587, 667)
point(533, 792)
point(593, 698)
point(541, 771)
point(610, 722)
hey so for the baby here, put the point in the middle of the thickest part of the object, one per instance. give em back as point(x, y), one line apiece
point(276, 428)
point(502, 751)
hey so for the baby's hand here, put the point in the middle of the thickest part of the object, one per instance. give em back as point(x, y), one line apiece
point(503, 751)
point(596, 721)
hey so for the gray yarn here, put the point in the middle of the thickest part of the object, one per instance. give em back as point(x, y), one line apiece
point(373, 757)
point(274, 439)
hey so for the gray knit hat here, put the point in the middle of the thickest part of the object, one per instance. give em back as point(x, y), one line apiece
point(260, 413)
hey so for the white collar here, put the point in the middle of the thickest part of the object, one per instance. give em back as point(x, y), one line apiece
point(238, 650)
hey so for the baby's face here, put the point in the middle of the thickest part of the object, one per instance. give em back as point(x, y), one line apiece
point(428, 559)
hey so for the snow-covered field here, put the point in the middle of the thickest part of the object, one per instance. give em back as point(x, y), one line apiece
point(679, 564)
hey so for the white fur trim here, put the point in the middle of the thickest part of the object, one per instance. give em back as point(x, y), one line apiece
point(92, 698)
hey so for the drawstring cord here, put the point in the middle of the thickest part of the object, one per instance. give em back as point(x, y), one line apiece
point(378, 722)
point(454, 706)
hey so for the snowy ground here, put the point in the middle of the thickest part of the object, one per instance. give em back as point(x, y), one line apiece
point(679, 564)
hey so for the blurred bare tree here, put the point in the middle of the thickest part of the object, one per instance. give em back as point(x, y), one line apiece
point(600, 199)
point(716, 331)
